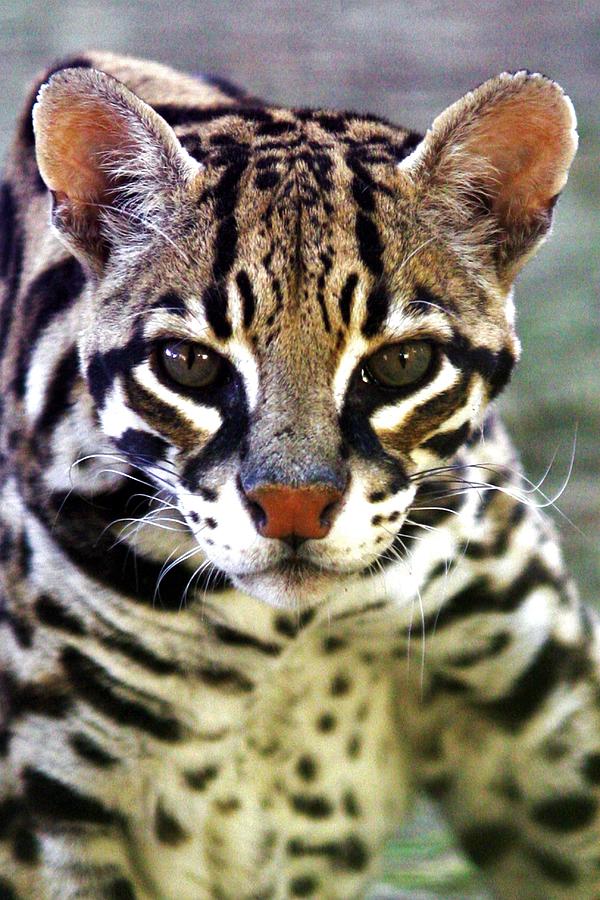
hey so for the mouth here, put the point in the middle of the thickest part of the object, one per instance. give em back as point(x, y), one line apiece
point(293, 583)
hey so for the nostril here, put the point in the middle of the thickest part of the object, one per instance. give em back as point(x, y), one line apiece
point(329, 513)
point(257, 513)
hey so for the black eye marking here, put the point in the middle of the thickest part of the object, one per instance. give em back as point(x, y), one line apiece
point(188, 364)
point(398, 366)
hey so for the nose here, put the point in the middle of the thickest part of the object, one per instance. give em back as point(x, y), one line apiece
point(294, 514)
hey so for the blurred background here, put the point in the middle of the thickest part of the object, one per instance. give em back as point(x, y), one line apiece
point(406, 61)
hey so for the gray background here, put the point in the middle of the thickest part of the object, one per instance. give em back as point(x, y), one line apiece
point(407, 61)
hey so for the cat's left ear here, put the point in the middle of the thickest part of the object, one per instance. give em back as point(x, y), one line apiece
point(490, 168)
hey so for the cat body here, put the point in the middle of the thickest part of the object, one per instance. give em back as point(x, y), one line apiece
point(267, 565)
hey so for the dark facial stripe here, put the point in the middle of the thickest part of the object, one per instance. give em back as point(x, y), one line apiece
point(171, 302)
point(426, 416)
point(58, 393)
point(81, 526)
point(247, 295)
point(495, 367)
point(142, 446)
point(369, 244)
point(378, 303)
point(347, 297)
point(48, 797)
point(135, 651)
point(161, 416)
point(102, 691)
point(50, 295)
point(105, 367)
point(447, 443)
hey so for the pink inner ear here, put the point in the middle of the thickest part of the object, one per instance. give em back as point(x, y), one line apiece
point(74, 140)
point(527, 142)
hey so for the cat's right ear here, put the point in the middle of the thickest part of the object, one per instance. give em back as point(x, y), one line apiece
point(113, 165)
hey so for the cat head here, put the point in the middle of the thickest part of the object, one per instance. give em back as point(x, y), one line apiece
point(292, 315)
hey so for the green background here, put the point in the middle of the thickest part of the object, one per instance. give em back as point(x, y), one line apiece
point(406, 61)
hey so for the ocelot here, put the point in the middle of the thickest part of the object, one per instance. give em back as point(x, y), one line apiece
point(268, 565)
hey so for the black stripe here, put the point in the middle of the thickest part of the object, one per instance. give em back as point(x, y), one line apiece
point(495, 366)
point(171, 302)
point(480, 597)
point(58, 393)
point(91, 752)
point(142, 446)
point(554, 664)
point(50, 295)
point(447, 443)
point(128, 646)
point(48, 797)
point(12, 257)
point(48, 698)
point(378, 304)
point(80, 525)
point(98, 688)
point(51, 613)
point(176, 114)
point(233, 638)
point(247, 295)
point(214, 300)
point(103, 368)
point(347, 297)
point(369, 243)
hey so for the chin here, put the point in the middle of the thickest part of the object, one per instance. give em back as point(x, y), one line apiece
point(290, 586)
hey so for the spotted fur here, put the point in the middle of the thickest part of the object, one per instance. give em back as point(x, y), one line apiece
point(190, 709)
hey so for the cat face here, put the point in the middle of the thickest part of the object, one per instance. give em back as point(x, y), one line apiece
point(287, 328)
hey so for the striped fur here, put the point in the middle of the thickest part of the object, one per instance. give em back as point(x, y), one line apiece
point(189, 709)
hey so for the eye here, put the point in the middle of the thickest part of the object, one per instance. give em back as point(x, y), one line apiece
point(399, 365)
point(189, 364)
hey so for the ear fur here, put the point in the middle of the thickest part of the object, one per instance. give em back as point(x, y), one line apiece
point(110, 161)
point(492, 165)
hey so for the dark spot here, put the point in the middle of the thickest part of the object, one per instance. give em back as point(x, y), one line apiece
point(303, 886)
point(565, 813)
point(326, 723)
point(354, 746)
point(199, 779)
point(167, 828)
point(590, 768)
point(376, 520)
point(51, 613)
point(332, 643)
point(210, 523)
point(314, 806)
point(352, 854)
point(228, 805)
point(340, 685)
point(119, 889)
point(377, 496)
point(26, 846)
point(553, 867)
point(487, 844)
point(306, 768)
point(350, 805)
point(208, 494)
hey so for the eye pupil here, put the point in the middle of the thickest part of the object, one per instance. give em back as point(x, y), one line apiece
point(188, 364)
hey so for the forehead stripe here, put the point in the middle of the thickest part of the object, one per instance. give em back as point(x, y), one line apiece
point(378, 303)
point(247, 295)
point(347, 297)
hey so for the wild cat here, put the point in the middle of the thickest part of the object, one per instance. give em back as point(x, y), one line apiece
point(249, 463)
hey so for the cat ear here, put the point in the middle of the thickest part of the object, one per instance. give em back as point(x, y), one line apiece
point(491, 167)
point(112, 163)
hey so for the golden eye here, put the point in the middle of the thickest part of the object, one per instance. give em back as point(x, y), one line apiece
point(190, 365)
point(399, 365)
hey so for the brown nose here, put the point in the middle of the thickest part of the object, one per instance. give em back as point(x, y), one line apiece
point(283, 512)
